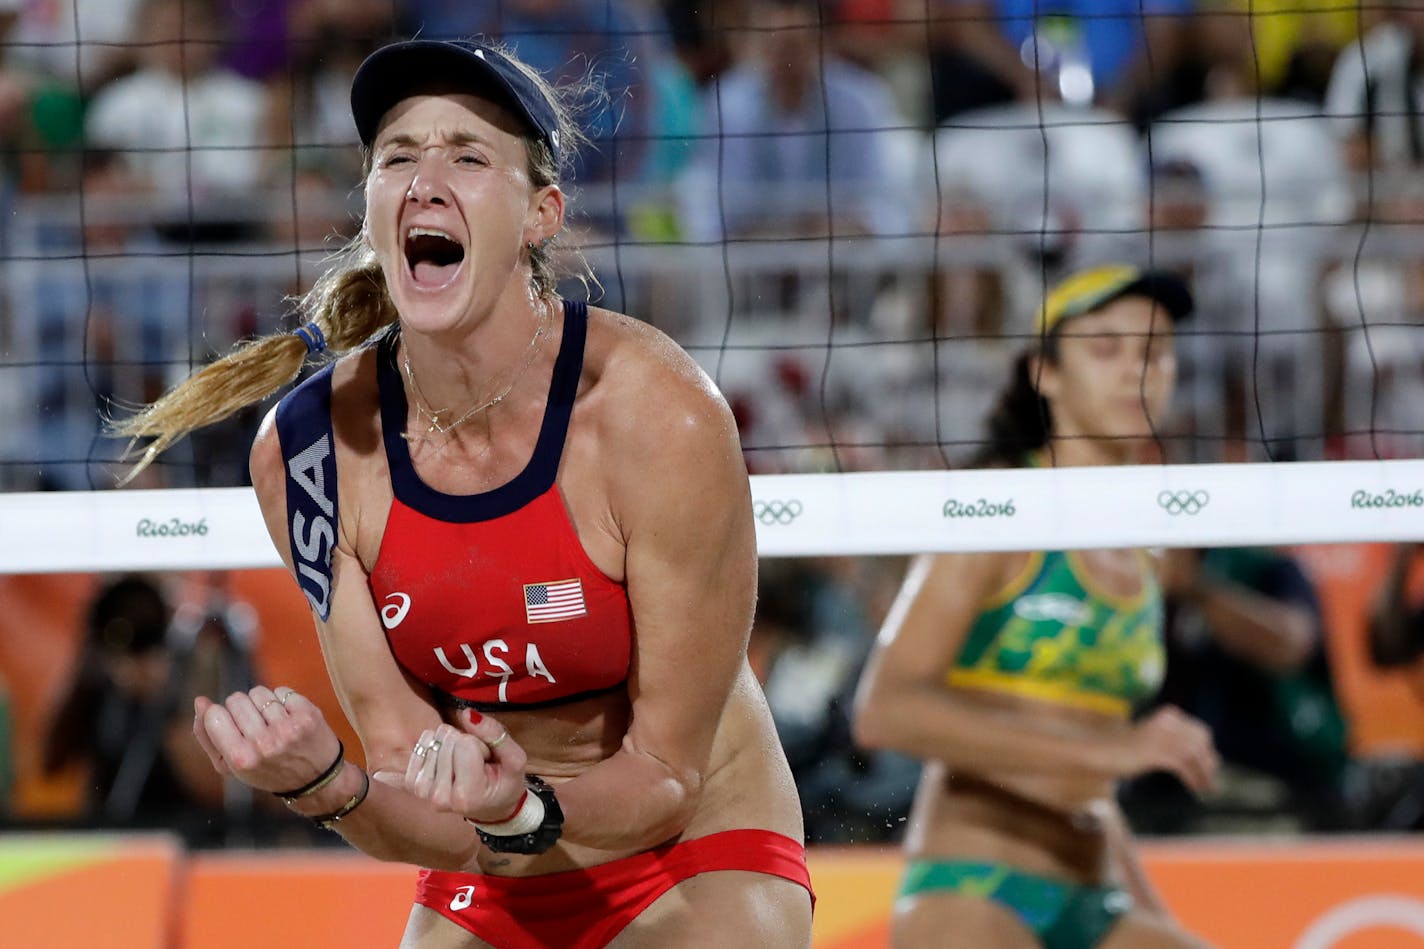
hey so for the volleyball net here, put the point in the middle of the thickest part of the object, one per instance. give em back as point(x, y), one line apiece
point(857, 271)
point(848, 221)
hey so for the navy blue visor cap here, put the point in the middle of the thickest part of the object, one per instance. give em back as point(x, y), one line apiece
point(400, 70)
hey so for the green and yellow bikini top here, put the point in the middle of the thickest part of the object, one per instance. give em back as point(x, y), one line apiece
point(1054, 635)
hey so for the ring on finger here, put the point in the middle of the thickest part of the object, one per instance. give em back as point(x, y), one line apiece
point(263, 706)
point(283, 698)
point(498, 741)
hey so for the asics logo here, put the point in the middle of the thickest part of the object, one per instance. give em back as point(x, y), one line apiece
point(463, 897)
point(393, 613)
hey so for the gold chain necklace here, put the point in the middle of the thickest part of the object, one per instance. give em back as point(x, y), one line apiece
point(434, 415)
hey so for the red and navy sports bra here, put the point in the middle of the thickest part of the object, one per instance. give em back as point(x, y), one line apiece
point(488, 598)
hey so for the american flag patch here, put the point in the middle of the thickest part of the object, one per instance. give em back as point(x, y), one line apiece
point(551, 602)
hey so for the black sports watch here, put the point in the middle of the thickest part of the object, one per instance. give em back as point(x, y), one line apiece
point(540, 838)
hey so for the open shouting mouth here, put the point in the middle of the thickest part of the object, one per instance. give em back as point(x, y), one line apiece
point(433, 257)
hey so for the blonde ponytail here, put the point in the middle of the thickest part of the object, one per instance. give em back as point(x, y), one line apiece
point(348, 305)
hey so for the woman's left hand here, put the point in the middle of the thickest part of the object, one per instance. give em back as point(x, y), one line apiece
point(477, 773)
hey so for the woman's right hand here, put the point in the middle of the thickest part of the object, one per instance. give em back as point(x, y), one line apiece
point(1171, 740)
point(476, 771)
point(272, 741)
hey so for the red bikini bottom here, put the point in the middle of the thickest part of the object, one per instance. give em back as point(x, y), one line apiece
point(585, 909)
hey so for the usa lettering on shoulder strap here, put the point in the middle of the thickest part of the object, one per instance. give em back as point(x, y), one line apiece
point(309, 457)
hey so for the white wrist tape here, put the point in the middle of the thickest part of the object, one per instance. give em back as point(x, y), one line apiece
point(527, 819)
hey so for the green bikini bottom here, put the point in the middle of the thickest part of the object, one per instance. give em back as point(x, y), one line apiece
point(1063, 915)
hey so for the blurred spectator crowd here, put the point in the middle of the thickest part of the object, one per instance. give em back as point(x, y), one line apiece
point(847, 211)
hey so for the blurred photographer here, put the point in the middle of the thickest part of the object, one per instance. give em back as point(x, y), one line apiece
point(125, 716)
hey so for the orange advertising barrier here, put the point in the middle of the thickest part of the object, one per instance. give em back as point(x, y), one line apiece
point(1349, 895)
point(1352, 894)
point(854, 891)
point(307, 900)
point(58, 892)
point(127, 893)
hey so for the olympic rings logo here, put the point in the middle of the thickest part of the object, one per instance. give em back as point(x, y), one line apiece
point(1183, 502)
point(776, 512)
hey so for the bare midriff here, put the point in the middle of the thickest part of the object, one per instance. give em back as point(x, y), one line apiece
point(746, 785)
point(1048, 824)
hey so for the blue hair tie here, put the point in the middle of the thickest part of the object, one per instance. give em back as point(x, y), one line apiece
point(312, 335)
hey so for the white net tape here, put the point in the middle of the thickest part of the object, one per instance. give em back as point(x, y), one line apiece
point(820, 514)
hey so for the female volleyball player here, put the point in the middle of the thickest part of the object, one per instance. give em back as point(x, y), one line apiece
point(525, 530)
point(1013, 674)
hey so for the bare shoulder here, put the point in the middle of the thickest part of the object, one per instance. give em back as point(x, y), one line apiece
point(993, 567)
point(352, 426)
point(647, 393)
point(264, 461)
point(965, 580)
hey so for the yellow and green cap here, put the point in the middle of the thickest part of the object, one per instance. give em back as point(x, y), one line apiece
point(1093, 289)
